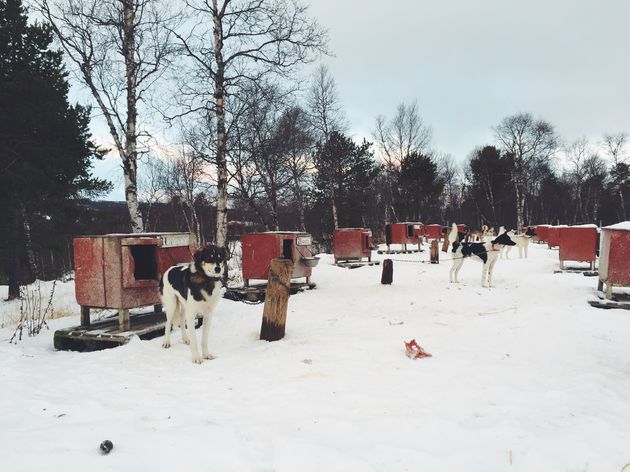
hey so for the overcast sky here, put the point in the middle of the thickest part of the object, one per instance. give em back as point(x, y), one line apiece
point(469, 63)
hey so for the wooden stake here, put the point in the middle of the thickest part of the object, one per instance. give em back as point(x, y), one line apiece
point(387, 276)
point(445, 244)
point(123, 319)
point(85, 316)
point(435, 252)
point(276, 300)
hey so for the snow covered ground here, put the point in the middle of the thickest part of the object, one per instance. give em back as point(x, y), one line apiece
point(525, 376)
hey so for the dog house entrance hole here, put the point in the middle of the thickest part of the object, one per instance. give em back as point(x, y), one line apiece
point(145, 263)
point(410, 231)
point(287, 248)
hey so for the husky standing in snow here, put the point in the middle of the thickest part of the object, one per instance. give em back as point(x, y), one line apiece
point(487, 253)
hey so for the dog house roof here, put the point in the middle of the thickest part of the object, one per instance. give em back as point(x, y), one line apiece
point(281, 232)
point(584, 226)
point(623, 226)
point(131, 235)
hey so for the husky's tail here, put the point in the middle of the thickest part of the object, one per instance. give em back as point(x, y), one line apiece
point(453, 237)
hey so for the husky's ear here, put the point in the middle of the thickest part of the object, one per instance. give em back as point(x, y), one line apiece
point(197, 256)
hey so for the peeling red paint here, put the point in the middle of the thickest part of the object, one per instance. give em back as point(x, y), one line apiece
point(352, 243)
point(123, 271)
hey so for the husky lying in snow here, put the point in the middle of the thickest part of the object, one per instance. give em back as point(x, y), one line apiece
point(487, 253)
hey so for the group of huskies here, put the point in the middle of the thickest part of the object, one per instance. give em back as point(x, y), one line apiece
point(483, 246)
point(194, 289)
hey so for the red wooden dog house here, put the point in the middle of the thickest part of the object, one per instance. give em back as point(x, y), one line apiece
point(122, 271)
point(352, 244)
point(542, 232)
point(553, 236)
point(433, 231)
point(404, 233)
point(259, 248)
point(614, 257)
point(578, 243)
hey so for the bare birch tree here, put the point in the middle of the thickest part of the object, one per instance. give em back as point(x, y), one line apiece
point(615, 147)
point(587, 173)
point(180, 178)
point(529, 142)
point(396, 139)
point(577, 154)
point(295, 143)
point(234, 43)
point(450, 172)
point(324, 106)
point(119, 48)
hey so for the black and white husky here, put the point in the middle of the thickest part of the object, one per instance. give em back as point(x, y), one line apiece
point(522, 242)
point(191, 290)
point(487, 253)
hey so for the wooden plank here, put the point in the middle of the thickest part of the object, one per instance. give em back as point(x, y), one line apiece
point(609, 304)
point(106, 333)
point(585, 272)
point(357, 264)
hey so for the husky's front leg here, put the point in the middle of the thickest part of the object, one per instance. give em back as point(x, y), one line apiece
point(457, 264)
point(207, 319)
point(490, 270)
point(191, 312)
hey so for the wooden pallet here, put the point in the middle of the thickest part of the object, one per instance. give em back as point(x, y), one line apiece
point(106, 333)
point(398, 251)
point(619, 301)
point(256, 293)
point(584, 272)
point(356, 264)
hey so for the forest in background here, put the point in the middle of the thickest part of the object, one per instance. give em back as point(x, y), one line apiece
point(258, 145)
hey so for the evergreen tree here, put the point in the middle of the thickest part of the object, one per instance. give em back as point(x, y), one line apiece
point(420, 187)
point(491, 189)
point(345, 178)
point(45, 142)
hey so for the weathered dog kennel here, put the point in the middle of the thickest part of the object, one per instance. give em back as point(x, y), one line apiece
point(352, 244)
point(614, 257)
point(259, 248)
point(121, 272)
point(404, 233)
point(553, 236)
point(433, 231)
point(542, 232)
point(578, 243)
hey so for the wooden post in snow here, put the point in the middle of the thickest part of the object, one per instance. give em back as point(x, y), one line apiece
point(387, 276)
point(435, 252)
point(276, 299)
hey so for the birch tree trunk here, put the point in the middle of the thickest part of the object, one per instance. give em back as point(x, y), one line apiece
point(219, 95)
point(334, 210)
point(300, 205)
point(130, 157)
point(28, 241)
point(520, 207)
